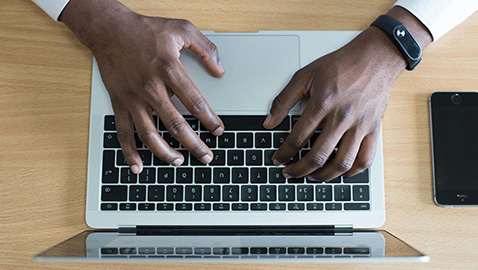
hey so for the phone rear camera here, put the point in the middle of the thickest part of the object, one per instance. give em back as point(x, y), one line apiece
point(456, 99)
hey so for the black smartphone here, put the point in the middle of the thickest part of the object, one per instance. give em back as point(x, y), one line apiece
point(454, 137)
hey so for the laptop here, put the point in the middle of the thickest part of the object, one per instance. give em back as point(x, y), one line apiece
point(238, 207)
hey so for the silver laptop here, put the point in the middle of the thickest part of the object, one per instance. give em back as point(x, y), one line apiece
point(241, 191)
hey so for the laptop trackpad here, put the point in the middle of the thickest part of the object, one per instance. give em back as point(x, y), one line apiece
point(257, 69)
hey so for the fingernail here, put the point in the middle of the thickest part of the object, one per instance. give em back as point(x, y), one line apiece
point(135, 169)
point(276, 162)
point(206, 158)
point(220, 67)
point(310, 178)
point(218, 131)
point(268, 120)
point(177, 161)
point(286, 175)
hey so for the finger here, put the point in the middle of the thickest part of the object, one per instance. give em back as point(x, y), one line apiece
point(204, 48)
point(287, 98)
point(365, 155)
point(300, 134)
point(125, 134)
point(149, 135)
point(343, 160)
point(318, 154)
point(179, 82)
point(181, 130)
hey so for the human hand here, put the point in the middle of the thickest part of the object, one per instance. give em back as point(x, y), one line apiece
point(348, 91)
point(138, 58)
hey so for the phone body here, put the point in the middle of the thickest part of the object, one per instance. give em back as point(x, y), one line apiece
point(454, 140)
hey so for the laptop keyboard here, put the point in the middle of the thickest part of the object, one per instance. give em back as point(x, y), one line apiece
point(241, 176)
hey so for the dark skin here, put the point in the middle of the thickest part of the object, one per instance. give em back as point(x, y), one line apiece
point(138, 57)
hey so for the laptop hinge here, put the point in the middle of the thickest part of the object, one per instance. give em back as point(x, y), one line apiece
point(235, 230)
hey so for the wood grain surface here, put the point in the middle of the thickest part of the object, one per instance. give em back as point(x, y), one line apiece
point(45, 82)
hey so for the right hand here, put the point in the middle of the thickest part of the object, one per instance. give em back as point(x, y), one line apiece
point(138, 58)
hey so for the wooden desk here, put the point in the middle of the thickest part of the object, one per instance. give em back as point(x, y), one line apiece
point(45, 80)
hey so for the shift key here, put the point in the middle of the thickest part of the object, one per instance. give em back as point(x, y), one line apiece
point(114, 193)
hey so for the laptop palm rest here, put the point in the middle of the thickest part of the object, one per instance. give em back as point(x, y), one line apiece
point(257, 69)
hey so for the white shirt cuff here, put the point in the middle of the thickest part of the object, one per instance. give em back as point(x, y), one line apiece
point(52, 7)
point(440, 16)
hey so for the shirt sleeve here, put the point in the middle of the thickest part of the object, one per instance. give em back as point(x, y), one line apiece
point(52, 7)
point(440, 16)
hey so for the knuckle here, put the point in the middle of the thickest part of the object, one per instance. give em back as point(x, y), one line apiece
point(148, 86)
point(146, 135)
point(278, 102)
point(177, 127)
point(295, 142)
point(169, 70)
point(317, 161)
point(211, 47)
point(197, 106)
point(186, 25)
point(363, 164)
point(345, 113)
point(344, 165)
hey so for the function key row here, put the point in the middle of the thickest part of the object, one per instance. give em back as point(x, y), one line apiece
point(235, 206)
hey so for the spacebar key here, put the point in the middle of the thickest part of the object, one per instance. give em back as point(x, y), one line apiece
point(250, 122)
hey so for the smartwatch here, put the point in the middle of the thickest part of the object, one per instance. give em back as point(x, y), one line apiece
point(401, 37)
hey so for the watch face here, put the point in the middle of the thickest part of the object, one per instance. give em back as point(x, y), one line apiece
point(407, 42)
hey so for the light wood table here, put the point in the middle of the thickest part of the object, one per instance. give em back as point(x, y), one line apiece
point(45, 80)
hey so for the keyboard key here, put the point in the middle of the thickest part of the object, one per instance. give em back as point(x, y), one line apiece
point(159, 162)
point(336, 180)
point(120, 161)
point(258, 175)
point(148, 175)
point(137, 193)
point(293, 159)
point(146, 206)
point(128, 177)
point(305, 193)
point(295, 206)
point(235, 157)
point(359, 178)
point(240, 250)
point(356, 206)
point(313, 138)
point(212, 193)
point(110, 140)
point(155, 193)
point(277, 250)
point(240, 206)
point(250, 122)
point(361, 193)
point(244, 140)
point(259, 206)
point(263, 140)
point(221, 251)
point(275, 175)
point(315, 250)
point(110, 173)
point(208, 139)
point(164, 207)
point(249, 193)
point(127, 250)
point(221, 207)
point(184, 175)
point(230, 193)
point(184, 250)
point(286, 193)
point(192, 121)
point(299, 180)
point(268, 157)
point(268, 193)
point(253, 157)
point(279, 138)
point(356, 250)
point(296, 250)
point(109, 206)
point(294, 119)
point(342, 193)
point(185, 154)
point(226, 140)
point(323, 193)
point(113, 193)
point(193, 193)
point(147, 251)
point(219, 157)
point(333, 250)
point(202, 206)
point(221, 175)
point(184, 206)
point(165, 175)
point(202, 175)
point(170, 140)
point(128, 206)
point(315, 206)
point(174, 193)
point(258, 250)
point(139, 143)
point(277, 206)
point(333, 206)
point(145, 156)
point(162, 250)
point(110, 123)
point(240, 175)
point(109, 251)
point(202, 250)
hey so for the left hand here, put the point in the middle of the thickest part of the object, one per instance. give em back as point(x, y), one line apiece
point(348, 92)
